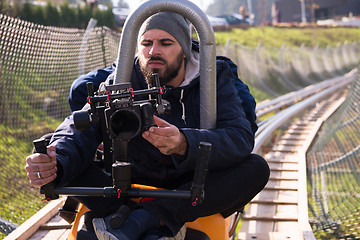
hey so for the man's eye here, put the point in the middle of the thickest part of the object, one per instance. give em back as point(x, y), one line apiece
point(146, 44)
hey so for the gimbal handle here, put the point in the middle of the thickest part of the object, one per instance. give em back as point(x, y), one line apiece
point(49, 188)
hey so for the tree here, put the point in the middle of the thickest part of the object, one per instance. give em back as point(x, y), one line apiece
point(26, 12)
point(52, 16)
point(84, 14)
point(68, 16)
point(39, 15)
point(10, 8)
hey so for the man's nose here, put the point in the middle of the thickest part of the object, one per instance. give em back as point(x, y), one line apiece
point(155, 50)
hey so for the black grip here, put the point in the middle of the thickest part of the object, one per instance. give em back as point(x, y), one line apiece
point(40, 145)
point(197, 188)
point(49, 188)
point(202, 163)
point(159, 103)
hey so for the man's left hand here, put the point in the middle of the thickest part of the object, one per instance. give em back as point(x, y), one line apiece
point(166, 137)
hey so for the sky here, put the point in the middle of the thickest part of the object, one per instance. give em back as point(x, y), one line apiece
point(202, 4)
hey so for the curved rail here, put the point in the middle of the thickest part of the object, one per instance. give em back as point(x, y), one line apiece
point(280, 210)
point(281, 207)
point(313, 94)
point(207, 50)
point(291, 98)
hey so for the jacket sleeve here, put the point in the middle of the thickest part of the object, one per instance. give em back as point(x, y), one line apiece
point(75, 150)
point(78, 91)
point(232, 140)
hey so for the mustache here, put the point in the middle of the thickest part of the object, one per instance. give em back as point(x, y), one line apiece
point(156, 58)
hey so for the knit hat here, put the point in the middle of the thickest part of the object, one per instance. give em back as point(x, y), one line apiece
point(172, 23)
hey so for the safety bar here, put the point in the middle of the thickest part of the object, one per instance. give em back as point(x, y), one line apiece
point(198, 18)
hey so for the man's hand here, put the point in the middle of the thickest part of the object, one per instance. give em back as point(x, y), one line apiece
point(41, 168)
point(166, 137)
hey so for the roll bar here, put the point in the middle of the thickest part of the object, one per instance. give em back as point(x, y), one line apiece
point(198, 18)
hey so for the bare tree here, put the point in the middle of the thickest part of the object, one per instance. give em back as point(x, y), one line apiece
point(11, 7)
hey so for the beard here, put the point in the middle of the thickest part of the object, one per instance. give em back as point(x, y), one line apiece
point(167, 74)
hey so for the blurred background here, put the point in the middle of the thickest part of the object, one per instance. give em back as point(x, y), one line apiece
point(279, 46)
point(222, 13)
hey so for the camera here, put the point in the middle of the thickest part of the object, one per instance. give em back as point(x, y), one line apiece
point(125, 117)
point(125, 123)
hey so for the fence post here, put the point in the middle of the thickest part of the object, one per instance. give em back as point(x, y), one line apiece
point(257, 70)
point(352, 51)
point(226, 47)
point(345, 54)
point(82, 54)
point(283, 69)
point(326, 57)
point(336, 58)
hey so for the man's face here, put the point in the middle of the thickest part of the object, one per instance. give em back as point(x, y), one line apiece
point(159, 52)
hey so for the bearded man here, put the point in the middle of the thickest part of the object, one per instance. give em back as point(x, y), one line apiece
point(165, 155)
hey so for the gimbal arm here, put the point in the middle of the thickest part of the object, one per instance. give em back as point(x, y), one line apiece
point(122, 188)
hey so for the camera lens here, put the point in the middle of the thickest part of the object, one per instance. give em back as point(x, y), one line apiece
point(125, 124)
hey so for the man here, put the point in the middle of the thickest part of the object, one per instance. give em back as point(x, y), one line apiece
point(165, 155)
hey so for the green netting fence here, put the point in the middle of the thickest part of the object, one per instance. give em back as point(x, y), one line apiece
point(333, 166)
point(276, 71)
point(39, 63)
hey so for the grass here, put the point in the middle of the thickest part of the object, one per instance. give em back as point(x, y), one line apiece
point(22, 120)
point(19, 201)
point(293, 37)
point(273, 38)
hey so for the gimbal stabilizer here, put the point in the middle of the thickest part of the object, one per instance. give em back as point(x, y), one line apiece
point(126, 118)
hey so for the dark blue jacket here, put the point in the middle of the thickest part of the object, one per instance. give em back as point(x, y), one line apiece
point(232, 140)
point(78, 92)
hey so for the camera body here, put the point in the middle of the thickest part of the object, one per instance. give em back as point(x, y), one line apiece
point(124, 116)
point(126, 122)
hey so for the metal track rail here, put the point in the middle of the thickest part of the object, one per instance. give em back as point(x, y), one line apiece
point(315, 94)
point(289, 99)
point(280, 210)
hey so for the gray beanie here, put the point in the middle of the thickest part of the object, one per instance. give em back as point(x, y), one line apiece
point(172, 23)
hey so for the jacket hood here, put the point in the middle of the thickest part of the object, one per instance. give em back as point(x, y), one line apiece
point(192, 70)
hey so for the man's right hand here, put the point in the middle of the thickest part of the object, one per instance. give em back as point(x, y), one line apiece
point(41, 168)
